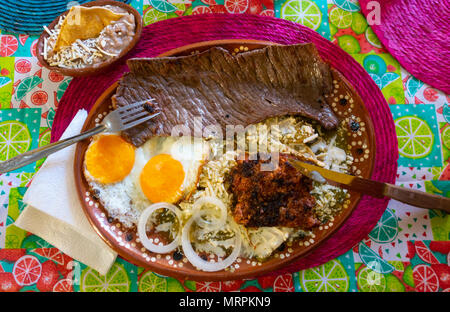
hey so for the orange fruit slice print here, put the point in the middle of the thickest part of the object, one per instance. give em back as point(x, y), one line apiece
point(23, 66)
point(8, 45)
point(425, 279)
point(27, 270)
point(424, 253)
point(236, 6)
point(201, 9)
point(39, 98)
point(64, 285)
point(283, 283)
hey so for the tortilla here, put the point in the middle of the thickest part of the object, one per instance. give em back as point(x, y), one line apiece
point(84, 23)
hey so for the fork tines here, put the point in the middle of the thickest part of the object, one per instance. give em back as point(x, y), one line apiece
point(137, 113)
point(137, 106)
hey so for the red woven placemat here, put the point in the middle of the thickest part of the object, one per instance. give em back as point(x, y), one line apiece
point(416, 33)
point(169, 34)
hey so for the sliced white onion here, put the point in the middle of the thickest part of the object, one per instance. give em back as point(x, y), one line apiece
point(197, 261)
point(198, 213)
point(142, 231)
point(316, 176)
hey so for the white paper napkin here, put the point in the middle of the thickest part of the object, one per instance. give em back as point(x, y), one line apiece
point(54, 212)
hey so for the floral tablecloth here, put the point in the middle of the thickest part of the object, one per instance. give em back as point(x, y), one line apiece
point(408, 250)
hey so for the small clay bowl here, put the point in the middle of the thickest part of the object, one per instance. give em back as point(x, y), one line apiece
point(96, 68)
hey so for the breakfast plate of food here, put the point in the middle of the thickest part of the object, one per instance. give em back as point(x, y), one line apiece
point(206, 190)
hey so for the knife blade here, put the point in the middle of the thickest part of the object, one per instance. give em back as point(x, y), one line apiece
point(372, 187)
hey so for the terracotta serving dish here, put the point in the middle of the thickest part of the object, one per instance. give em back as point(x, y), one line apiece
point(348, 107)
point(100, 67)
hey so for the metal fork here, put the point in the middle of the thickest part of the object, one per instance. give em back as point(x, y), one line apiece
point(120, 119)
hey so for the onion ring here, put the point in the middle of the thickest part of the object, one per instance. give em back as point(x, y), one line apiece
point(143, 232)
point(196, 208)
point(197, 261)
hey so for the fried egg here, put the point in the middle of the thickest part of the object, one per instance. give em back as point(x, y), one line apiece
point(109, 159)
point(126, 179)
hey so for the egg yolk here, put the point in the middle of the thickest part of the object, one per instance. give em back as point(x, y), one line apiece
point(109, 159)
point(161, 179)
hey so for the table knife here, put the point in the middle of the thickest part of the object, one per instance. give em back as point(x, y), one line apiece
point(373, 188)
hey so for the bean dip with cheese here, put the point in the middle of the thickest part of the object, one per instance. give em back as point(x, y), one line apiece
point(109, 43)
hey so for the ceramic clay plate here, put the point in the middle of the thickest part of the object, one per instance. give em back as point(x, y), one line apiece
point(348, 107)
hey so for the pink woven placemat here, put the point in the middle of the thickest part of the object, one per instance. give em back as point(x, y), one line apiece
point(169, 34)
point(416, 33)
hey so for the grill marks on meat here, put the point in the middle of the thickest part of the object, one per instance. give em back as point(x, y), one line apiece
point(224, 89)
point(271, 198)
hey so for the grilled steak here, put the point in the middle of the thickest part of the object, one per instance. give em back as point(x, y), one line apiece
point(271, 198)
point(224, 89)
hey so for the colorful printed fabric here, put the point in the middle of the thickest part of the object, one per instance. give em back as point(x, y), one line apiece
point(408, 249)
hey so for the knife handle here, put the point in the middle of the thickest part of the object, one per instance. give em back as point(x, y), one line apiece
point(417, 198)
